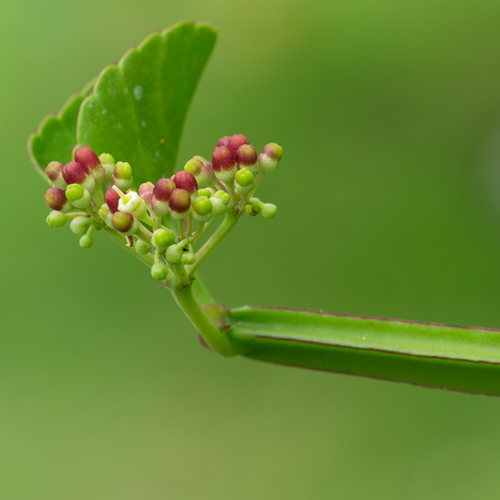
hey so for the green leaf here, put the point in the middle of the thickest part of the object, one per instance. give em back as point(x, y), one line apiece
point(56, 135)
point(428, 354)
point(138, 107)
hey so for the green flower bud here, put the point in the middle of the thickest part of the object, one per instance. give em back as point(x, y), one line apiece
point(80, 225)
point(270, 157)
point(78, 196)
point(244, 180)
point(86, 241)
point(188, 258)
point(219, 201)
point(56, 219)
point(108, 163)
point(208, 192)
point(141, 247)
point(122, 176)
point(269, 210)
point(162, 238)
point(105, 214)
point(174, 253)
point(203, 209)
point(159, 271)
point(125, 223)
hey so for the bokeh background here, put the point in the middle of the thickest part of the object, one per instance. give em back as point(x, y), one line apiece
point(389, 114)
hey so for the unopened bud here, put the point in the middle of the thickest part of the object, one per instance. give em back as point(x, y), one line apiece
point(86, 241)
point(224, 141)
point(208, 192)
point(78, 196)
point(244, 180)
point(162, 238)
point(174, 253)
point(56, 219)
point(108, 164)
point(224, 164)
point(202, 209)
point(185, 180)
point(188, 258)
point(85, 156)
point(54, 172)
point(56, 199)
point(161, 194)
point(270, 157)
point(146, 192)
point(125, 223)
point(179, 202)
point(236, 141)
point(141, 247)
point(159, 271)
point(246, 156)
point(195, 165)
point(112, 199)
point(122, 176)
point(106, 215)
point(219, 201)
point(80, 225)
point(269, 210)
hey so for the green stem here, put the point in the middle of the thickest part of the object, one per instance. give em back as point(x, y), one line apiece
point(222, 231)
point(122, 241)
point(212, 335)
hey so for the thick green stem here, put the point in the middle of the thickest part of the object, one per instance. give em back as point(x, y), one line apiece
point(212, 335)
point(222, 231)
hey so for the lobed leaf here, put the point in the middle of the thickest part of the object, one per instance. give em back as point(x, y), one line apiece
point(428, 354)
point(138, 107)
point(56, 135)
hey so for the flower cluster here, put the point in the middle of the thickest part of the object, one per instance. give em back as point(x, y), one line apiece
point(160, 222)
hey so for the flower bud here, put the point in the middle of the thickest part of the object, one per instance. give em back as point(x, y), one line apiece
point(122, 176)
point(179, 202)
point(108, 164)
point(146, 192)
point(174, 253)
point(208, 192)
point(202, 209)
point(185, 180)
point(106, 215)
point(141, 247)
point(54, 172)
point(78, 196)
point(56, 199)
point(236, 141)
point(159, 271)
point(219, 201)
point(56, 219)
point(269, 210)
point(125, 223)
point(270, 157)
point(188, 258)
point(224, 164)
point(244, 180)
point(162, 238)
point(80, 225)
point(85, 156)
point(74, 173)
point(161, 194)
point(246, 156)
point(195, 165)
point(86, 241)
point(224, 141)
point(112, 199)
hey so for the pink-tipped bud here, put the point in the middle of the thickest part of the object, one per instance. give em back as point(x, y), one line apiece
point(85, 156)
point(54, 173)
point(185, 180)
point(270, 157)
point(146, 192)
point(236, 141)
point(124, 223)
point(56, 199)
point(195, 165)
point(180, 202)
point(161, 194)
point(224, 141)
point(74, 173)
point(222, 159)
point(112, 199)
point(246, 156)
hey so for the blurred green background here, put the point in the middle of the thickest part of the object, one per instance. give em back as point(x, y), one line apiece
point(389, 114)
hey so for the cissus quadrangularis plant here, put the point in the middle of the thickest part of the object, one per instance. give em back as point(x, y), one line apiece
point(109, 157)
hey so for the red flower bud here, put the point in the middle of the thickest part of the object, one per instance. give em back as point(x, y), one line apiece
point(222, 159)
point(179, 201)
point(124, 222)
point(163, 189)
point(74, 173)
point(54, 170)
point(185, 180)
point(224, 141)
point(85, 156)
point(112, 198)
point(146, 192)
point(55, 198)
point(236, 141)
point(246, 155)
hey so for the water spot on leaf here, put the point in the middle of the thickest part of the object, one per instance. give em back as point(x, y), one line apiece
point(138, 92)
point(143, 124)
point(104, 111)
